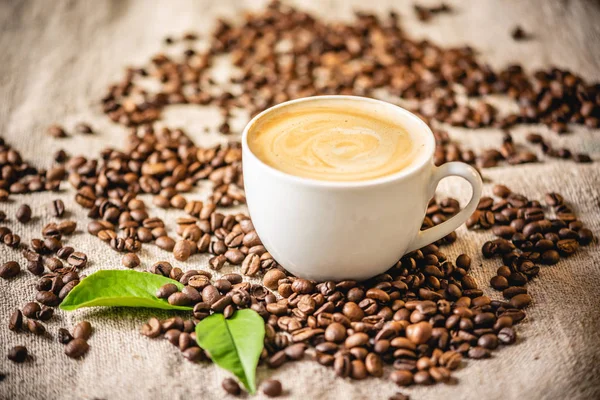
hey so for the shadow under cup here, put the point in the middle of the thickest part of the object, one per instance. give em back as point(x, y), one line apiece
point(328, 230)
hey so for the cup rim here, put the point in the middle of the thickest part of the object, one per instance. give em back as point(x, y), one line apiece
point(405, 172)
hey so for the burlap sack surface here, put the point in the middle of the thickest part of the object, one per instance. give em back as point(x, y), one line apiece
point(58, 57)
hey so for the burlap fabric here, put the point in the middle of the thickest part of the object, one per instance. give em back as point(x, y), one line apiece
point(57, 58)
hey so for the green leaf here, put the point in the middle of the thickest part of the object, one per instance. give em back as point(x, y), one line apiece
point(116, 288)
point(234, 344)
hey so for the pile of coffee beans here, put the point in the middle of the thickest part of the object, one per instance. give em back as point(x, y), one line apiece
point(18, 176)
point(527, 236)
point(57, 266)
point(282, 53)
point(76, 344)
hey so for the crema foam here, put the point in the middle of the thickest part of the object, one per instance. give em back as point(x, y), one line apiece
point(332, 140)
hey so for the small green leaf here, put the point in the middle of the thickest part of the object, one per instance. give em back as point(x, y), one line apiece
point(116, 288)
point(234, 344)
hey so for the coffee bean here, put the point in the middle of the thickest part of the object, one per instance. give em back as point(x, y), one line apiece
point(272, 388)
point(272, 277)
point(76, 348)
point(152, 328)
point(31, 310)
point(357, 339)
point(499, 282)
point(251, 266)
point(507, 335)
point(77, 260)
point(182, 250)
point(419, 333)
point(57, 208)
point(16, 321)
point(9, 269)
point(18, 354)
point(130, 260)
point(166, 290)
point(374, 365)
point(36, 327)
point(83, 330)
point(231, 387)
point(166, 243)
point(64, 336)
point(488, 341)
point(84, 128)
point(520, 300)
point(179, 299)
point(302, 286)
point(56, 131)
point(295, 351)
point(501, 190)
point(236, 257)
point(463, 261)
point(47, 298)
point(192, 294)
point(23, 214)
point(402, 378)
point(478, 352)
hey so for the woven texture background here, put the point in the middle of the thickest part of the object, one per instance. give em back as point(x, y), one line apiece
point(58, 58)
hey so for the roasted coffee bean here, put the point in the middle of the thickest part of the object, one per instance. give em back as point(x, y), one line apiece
point(166, 243)
point(478, 352)
point(64, 252)
point(166, 290)
point(152, 328)
point(47, 298)
point(507, 335)
point(231, 387)
point(499, 282)
point(9, 269)
point(77, 260)
point(402, 377)
point(83, 330)
point(76, 348)
point(57, 208)
point(251, 265)
point(23, 214)
point(272, 277)
point(236, 257)
point(84, 128)
point(36, 327)
point(18, 354)
point(16, 321)
point(272, 388)
point(64, 336)
point(520, 300)
point(31, 310)
point(182, 250)
point(130, 260)
point(179, 299)
point(419, 333)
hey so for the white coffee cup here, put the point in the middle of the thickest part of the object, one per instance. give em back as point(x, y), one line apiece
point(326, 230)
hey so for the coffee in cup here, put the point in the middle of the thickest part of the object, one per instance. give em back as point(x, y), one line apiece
point(333, 140)
point(337, 186)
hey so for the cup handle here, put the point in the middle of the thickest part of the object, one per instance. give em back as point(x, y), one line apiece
point(439, 231)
